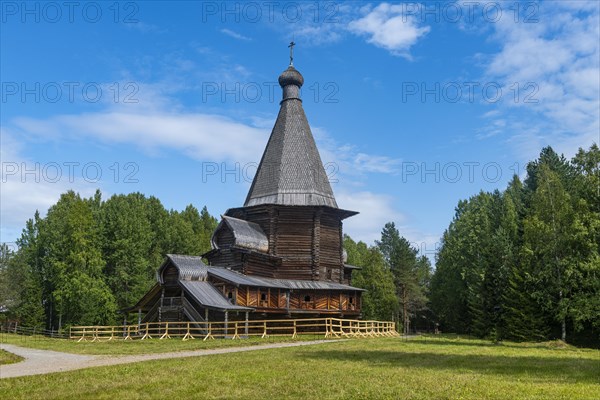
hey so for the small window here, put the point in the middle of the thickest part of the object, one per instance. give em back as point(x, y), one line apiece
point(328, 273)
point(230, 295)
point(307, 298)
point(263, 297)
point(351, 300)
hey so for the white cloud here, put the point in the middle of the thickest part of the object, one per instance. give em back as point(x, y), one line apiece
point(395, 28)
point(374, 163)
point(389, 27)
point(325, 25)
point(375, 211)
point(27, 186)
point(560, 57)
point(349, 160)
point(204, 137)
point(234, 34)
point(201, 136)
point(425, 242)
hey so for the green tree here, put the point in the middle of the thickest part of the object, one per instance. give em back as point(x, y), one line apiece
point(73, 255)
point(401, 259)
point(465, 270)
point(379, 301)
point(26, 274)
point(522, 317)
point(521, 263)
point(181, 236)
point(448, 286)
point(587, 187)
point(127, 239)
point(158, 218)
point(557, 163)
point(8, 292)
point(556, 248)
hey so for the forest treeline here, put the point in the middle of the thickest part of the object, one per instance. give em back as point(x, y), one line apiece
point(520, 264)
point(89, 258)
point(524, 263)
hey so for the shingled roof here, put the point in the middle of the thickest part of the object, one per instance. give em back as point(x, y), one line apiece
point(291, 171)
point(208, 296)
point(191, 268)
point(248, 235)
point(237, 278)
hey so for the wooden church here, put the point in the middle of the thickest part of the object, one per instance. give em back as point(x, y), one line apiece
point(278, 256)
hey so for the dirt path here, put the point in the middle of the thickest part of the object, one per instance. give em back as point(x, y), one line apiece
point(45, 361)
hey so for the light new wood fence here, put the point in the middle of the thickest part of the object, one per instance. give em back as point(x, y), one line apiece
point(328, 327)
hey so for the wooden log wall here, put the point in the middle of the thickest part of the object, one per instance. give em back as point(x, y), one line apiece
point(307, 239)
point(347, 277)
point(274, 300)
point(330, 245)
point(170, 275)
point(223, 237)
point(255, 264)
point(227, 258)
point(315, 246)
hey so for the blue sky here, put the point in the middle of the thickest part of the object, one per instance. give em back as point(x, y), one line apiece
point(414, 106)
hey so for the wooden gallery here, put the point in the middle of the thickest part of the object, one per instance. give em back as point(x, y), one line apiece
point(280, 255)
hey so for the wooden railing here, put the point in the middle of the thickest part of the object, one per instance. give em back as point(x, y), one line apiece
point(328, 327)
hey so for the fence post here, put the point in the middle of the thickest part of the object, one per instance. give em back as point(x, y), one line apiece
point(128, 337)
point(264, 335)
point(208, 331)
point(166, 334)
point(235, 333)
point(294, 335)
point(147, 334)
point(188, 335)
point(82, 335)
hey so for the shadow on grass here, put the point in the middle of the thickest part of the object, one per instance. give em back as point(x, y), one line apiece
point(470, 342)
point(569, 370)
point(455, 342)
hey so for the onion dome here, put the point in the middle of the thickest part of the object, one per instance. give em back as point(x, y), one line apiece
point(291, 76)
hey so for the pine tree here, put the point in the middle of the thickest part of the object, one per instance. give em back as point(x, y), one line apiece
point(127, 237)
point(448, 286)
point(379, 301)
point(548, 248)
point(401, 259)
point(73, 256)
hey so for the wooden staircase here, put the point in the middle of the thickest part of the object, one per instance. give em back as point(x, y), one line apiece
point(175, 309)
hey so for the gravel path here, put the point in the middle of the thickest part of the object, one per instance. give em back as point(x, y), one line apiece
point(45, 361)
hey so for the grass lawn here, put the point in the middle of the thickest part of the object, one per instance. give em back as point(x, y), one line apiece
point(8, 358)
point(426, 368)
point(121, 347)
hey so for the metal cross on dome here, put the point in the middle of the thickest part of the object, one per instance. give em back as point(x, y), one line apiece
point(291, 46)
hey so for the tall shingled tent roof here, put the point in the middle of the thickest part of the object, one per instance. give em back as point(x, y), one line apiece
point(291, 171)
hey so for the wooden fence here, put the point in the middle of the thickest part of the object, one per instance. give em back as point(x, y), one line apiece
point(328, 327)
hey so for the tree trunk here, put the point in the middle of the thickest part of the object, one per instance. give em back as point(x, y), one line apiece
point(404, 311)
point(563, 321)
